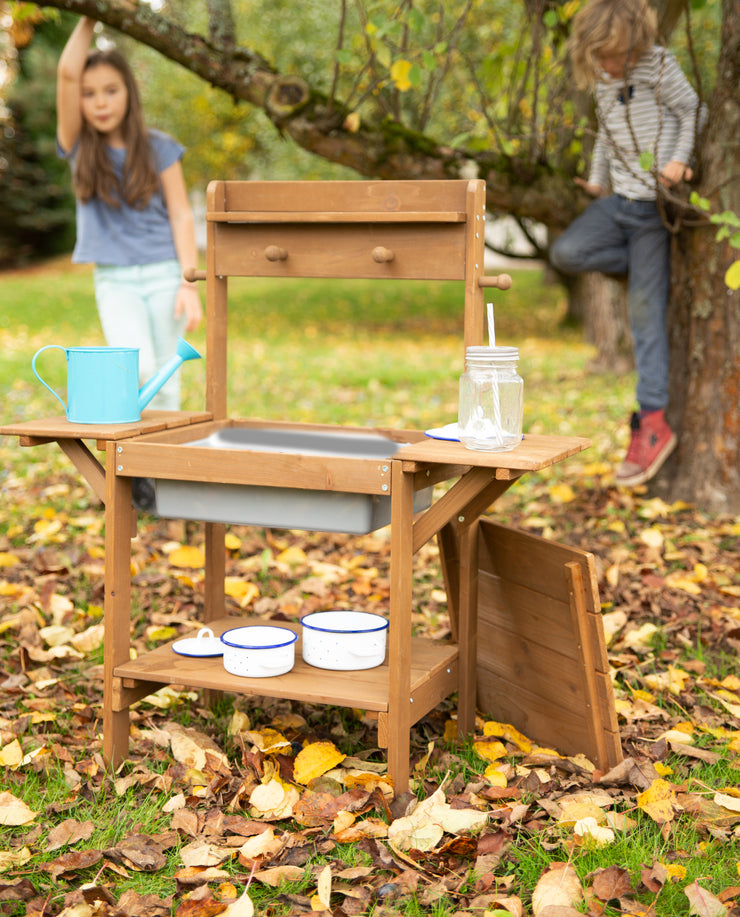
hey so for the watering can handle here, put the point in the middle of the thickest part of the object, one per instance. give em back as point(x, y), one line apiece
point(33, 367)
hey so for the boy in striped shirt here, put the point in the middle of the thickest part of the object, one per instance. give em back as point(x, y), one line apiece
point(647, 110)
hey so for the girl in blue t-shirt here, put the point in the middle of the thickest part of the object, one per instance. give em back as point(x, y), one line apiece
point(134, 220)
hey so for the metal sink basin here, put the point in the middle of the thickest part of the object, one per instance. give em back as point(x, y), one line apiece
point(281, 507)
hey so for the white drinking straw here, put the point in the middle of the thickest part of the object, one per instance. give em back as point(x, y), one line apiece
point(498, 432)
point(491, 330)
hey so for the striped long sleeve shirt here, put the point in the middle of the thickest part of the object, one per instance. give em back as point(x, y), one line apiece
point(651, 110)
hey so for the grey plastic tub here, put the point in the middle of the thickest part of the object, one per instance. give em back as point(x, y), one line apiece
point(281, 507)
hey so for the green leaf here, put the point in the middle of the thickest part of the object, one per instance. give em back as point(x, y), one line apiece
point(701, 202)
point(647, 160)
point(550, 19)
point(730, 218)
point(416, 19)
point(735, 240)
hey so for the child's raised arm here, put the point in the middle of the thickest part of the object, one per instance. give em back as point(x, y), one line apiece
point(69, 78)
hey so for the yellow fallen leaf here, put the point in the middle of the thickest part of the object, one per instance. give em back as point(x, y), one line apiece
point(239, 723)
point(231, 542)
point(187, 556)
point(267, 740)
point(658, 801)
point(729, 705)
point(562, 493)
point(242, 907)
point(490, 749)
point(558, 886)
point(160, 634)
point(13, 859)
point(494, 776)
point(264, 845)
point(674, 871)
point(279, 874)
point(8, 560)
point(272, 800)
point(314, 760)
point(14, 811)
point(728, 801)
point(322, 897)
point(508, 732)
point(56, 635)
point(673, 681)
point(89, 639)
point(241, 590)
point(11, 754)
point(652, 537)
point(292, 556)
point(684, 581)
point(593, 833)
point(641, 638)
point(575, 812)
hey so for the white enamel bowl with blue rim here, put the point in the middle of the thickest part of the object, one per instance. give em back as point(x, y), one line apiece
point(344, 640)
point(259, 650)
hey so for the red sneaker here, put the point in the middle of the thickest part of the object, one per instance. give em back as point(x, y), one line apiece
point(651, 444)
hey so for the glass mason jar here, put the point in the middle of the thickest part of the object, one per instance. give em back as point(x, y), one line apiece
point(491, 399)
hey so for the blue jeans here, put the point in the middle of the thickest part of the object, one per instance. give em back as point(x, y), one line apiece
point(136, 305)
point(615, 235)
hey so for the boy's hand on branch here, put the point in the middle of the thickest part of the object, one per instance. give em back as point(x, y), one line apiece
point(674, 172)
point(593, 190)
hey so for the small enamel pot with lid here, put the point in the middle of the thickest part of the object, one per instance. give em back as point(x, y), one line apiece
point(259, 650)
point(344, 640)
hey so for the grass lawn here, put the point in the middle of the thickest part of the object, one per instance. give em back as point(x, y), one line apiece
point(358, 352)
point(371, 354)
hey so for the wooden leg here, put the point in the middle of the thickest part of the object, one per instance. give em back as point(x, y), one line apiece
point(215, 572)
point(449, 558)
point(468, 628)
point(399, 637)
point(119, 517)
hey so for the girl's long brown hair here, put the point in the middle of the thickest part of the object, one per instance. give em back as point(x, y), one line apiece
point(94, 175)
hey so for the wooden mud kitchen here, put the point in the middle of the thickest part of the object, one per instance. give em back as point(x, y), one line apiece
point(528, 645)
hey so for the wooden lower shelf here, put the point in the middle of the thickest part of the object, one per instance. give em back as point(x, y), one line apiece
point(434, 676)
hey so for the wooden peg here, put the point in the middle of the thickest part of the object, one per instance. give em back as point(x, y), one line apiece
point(382, 255)
point(275, 253)
point(192, 274)
point(500, 281)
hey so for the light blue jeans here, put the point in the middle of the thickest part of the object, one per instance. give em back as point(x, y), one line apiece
point(136, 305)
point(616, 235)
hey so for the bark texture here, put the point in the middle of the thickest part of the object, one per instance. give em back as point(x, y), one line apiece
point(705, 314)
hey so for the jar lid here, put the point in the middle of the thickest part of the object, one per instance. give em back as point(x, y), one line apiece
point(492, 353)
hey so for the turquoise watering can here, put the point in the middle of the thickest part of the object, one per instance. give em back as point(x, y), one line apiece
point(103, 382)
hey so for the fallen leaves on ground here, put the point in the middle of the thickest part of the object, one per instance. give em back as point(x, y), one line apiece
point(295, 802)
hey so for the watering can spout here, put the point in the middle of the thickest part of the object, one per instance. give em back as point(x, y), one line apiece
point(184, 352)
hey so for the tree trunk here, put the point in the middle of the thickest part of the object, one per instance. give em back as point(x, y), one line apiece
point(602, 303)
point(704, 319)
